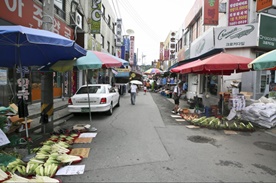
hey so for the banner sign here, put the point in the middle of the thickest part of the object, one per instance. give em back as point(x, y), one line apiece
point(263, 4)
point(238, 36)
point(29, 14)
point(131, 50)
point(122, 73)
point(119, 33)
point(96, 15)
point(161, 54)
point(238, 12)
point(210, 12)
point(267, 36)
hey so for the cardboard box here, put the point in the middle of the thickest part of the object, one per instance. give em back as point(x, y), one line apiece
point(15, 119)
point(14, 108)
point(81, 127)
point(28, 123)
point(247, 95)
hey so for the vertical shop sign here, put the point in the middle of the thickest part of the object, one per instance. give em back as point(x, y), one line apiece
point(131, 50)
point(29, 14)
point(166, 54)
point(267, 37)
point(211, 12)
point(96, 16)
point(161, 55)
point(238, 12)
point(263, 4)
point(119, 32)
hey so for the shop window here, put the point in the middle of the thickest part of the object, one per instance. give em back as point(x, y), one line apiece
point(211, 84)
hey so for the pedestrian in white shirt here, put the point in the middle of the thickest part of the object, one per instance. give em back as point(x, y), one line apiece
point(133, 91)
point(176, 96)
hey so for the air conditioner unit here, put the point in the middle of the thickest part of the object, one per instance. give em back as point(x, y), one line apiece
point(78, 19)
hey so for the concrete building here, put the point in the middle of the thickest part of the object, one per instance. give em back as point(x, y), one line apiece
point(235, 27)
point(72, 19)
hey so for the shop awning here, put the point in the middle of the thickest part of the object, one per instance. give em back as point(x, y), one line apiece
point(207, 54)
point(219, 64)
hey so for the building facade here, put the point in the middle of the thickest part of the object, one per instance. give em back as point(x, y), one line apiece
point(72, 19)
point(235, 27)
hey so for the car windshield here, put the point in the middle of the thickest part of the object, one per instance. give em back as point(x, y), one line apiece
point(92, 89)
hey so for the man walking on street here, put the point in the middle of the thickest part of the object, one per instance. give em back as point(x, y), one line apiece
point(176, 96)
point(133, 91)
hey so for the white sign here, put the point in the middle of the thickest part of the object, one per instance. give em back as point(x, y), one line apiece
point(71, 170)
point(3, 77)
point(238, 36)
point(3, 138)
point(203, 44)
point(87, 135)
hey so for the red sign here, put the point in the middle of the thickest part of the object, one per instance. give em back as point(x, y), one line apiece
point(211, 13)
point(29, 14)
point(238, 12)
point(166, 54)
point(263, 4)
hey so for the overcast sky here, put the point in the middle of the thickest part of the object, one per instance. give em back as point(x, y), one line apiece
point(151, 21)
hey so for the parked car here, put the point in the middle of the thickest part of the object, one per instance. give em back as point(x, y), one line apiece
point(103, 98)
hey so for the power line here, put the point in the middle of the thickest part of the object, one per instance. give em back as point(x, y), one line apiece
point(140, 23)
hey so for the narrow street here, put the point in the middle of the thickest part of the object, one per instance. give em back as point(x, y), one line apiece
point(144, 143)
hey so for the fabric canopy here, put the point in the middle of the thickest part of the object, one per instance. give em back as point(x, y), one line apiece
point(221, 63)
point(96, 60)
point(266, 61)
point(23, 46)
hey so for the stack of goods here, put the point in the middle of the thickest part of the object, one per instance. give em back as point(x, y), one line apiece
point(237, 102)
point(263, 114)
point(48, 158)
point(216, 123)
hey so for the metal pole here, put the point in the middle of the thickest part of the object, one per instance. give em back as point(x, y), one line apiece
point(90, 117)
point(23, 93)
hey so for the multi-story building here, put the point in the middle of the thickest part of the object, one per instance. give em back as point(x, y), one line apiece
point(92, 26)
point(168, 50)
point(235, 27)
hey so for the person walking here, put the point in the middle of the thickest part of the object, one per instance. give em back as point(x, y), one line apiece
point(133, 91)
point(145, 90)
point(176, 97)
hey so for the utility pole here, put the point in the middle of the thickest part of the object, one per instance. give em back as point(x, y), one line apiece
point(47, 101)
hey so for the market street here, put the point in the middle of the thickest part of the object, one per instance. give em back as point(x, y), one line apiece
point(144, 143)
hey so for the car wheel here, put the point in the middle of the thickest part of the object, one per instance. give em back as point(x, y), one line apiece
point(110, 109)
point(118, 104)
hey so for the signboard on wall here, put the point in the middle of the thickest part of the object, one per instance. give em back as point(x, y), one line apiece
point(210, 12)
point(203, 44)
point(29, 14)
point(238, 36)
point(131, 50)
point(161, 53)
point(119, 33)
point(264, 4)
point(122, 73)
point(238, 12)
point(267, 37)
point(96, 15)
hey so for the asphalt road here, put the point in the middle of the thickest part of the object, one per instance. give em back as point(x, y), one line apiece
point(144, 143)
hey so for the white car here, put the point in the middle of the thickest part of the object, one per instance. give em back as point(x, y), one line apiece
point(103, 98)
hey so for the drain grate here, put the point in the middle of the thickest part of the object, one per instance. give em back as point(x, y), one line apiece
point(201, 139)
